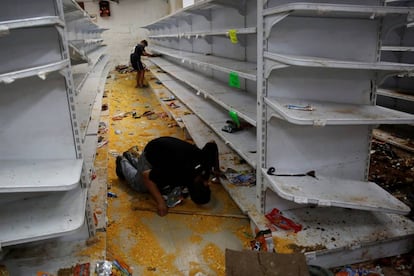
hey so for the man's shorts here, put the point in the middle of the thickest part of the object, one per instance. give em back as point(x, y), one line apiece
point(133, 172)
point(138, 65)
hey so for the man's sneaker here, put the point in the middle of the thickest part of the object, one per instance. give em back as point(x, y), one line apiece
point(118, 168)
point(134, 150)
point(129, 156)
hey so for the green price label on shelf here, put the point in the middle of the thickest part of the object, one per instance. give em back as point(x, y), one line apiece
point(233, 36)
point(234, 80)
point(234, 117)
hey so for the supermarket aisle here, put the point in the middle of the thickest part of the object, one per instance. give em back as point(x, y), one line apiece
point(190, 242)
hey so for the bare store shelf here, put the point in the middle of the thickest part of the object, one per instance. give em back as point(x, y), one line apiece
point(274, 15)
point(396, 94)
point(202, 34)
point(200, 7)
point(245, 70)
point(326, 113)
point(397, 48)
point(81, 72)
point(6, 26)
point(27, 9)
point(76, 55)
point(45, 52)
point(39, 175)
point(332, 191)
point(337, 236)
point(229, 98)
point(335, 10)
point(40, 71)
point(281, 61)
point(42, 216)
point(91, 87)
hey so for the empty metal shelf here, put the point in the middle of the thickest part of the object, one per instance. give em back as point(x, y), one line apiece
point(335, 10)
point(27, 9)
point(244, 69)
point(42, 217)
point(332, 191)
point(303, 112)
point(39, 175)
point(202, 34)
point(242, 102)
point(200, 7)
point(337, 236)
point(289, 60)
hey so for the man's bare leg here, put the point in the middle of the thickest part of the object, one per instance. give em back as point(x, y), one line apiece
point(141, 78)
point(137, 79)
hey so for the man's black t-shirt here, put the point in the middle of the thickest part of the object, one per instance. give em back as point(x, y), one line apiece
point(139, 49)
point(173, 161)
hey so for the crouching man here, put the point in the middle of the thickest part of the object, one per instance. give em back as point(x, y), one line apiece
point(166, 163)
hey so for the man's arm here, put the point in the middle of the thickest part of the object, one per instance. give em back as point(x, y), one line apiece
point(144, 53)
point(162, 209)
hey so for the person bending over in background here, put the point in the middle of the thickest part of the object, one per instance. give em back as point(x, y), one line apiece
point(137, 64)
point(166, 163)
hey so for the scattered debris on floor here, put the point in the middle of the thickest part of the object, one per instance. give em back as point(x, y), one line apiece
point(77, 270)
point(114, 268)
point(124, 69)
point(263, 241)
point(393, 169)
point(4, 271)
point(102, 143)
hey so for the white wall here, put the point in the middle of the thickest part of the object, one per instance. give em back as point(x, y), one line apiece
point(125, 23)
point(175, 5)
point(187, 3)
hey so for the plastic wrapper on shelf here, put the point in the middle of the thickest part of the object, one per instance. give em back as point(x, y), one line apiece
point(277, 219)
point(240, 178)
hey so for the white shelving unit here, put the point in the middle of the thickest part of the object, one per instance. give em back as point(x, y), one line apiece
point(201, 47)
point(43, 175)
point(398, 46)
point(318, 99)
point(227, 97)
point(307, 92)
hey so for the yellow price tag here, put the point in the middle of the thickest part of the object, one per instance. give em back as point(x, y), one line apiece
point(233, 36)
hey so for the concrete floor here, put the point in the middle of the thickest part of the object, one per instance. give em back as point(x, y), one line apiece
point(190, 240)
